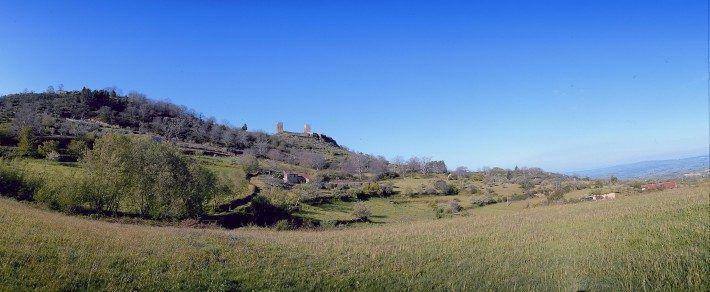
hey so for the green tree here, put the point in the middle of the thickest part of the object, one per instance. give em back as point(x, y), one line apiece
point(48, 148)
point(77, 148)
point(613, 179)
point(146, 177)
point(25, 145)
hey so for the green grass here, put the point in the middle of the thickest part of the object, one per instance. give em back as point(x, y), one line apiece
point(654, 241)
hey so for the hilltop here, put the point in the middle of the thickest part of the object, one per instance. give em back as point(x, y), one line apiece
point(86, 113)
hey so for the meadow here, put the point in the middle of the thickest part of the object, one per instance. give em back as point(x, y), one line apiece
point(649, 241)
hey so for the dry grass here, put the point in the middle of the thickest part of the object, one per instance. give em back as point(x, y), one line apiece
point(652, 241)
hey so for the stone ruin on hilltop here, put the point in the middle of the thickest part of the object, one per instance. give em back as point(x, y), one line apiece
point(307, 132)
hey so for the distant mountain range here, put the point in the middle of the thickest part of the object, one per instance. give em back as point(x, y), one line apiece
point(650, 169)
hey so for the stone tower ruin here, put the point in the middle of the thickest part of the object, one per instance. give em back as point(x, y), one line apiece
point(279, 127)
point(307, 129)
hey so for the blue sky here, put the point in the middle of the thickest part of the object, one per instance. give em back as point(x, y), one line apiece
point(564, 85)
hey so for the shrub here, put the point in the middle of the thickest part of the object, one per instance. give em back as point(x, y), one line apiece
point(555, 195)
point(443, 210)
point(489, 192)
point(361, 211)
point(25, 144)
point(283, 224)
point(444, 188)
point(455, 206)
point(471, 188)
point(146, 177)
point(68, 194)
point(49, 149)
point(5, 135)
point(518, 197)
point(387, 175)
point(77, 148)
point(250, 165)
point(372, 189)
point(15, 184)
point(387, 189)
point(482, 201)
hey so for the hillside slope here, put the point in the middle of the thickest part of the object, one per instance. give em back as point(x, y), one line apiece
point(86, 114)
point(644, 242)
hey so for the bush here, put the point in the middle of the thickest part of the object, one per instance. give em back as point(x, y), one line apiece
point(518, 197)
point(5, 135)
point(283, 224)
point(387, 189)
point(49, 149)
point(387, 175)
point(482, 201)
point(471, 188)
point(361, 211)
point(77, 148)
point(489, 192)
point(372, 189)
point(250, 165)
point(146, 177)
point(25, 144)
point(445, 188)
point(455, 206)
point(66, 194)
point(15, 184)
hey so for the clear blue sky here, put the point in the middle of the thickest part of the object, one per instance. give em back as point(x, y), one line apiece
point(563, 85)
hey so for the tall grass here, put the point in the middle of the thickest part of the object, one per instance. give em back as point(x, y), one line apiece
point(645, 242)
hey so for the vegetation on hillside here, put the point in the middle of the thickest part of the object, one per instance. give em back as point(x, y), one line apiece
point(126, 155)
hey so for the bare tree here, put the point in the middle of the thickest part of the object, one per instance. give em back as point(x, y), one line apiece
point(355, 164)
point(461, 171)
point(312, 160)
point(378, 165)
point(414, 164)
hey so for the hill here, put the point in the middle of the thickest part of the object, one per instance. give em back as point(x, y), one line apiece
point(655, 241)
point(85, 114)
point(669, 168)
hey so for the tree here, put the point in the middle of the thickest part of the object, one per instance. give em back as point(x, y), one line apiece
point(146, 177)
point(25, 145)
point(355, 164)
point(313, 160)
point(613, 179)
point(435, 167)
point(413, 165)
point(48, 148)
point(461, 171)
point(378, 165)
point(77, 148)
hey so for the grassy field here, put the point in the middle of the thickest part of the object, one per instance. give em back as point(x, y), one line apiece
point(651, 241)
